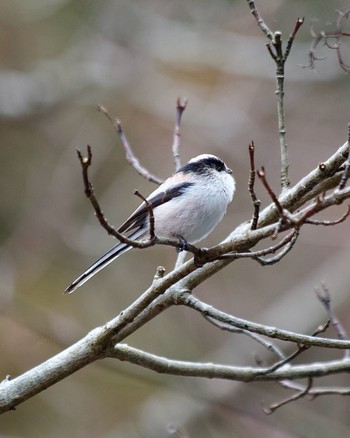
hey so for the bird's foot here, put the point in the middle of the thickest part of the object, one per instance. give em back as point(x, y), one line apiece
point(199, 254)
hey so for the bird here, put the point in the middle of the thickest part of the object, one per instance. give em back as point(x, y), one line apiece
point(186, 206)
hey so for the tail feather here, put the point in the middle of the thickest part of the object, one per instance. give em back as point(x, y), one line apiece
point(102, 262)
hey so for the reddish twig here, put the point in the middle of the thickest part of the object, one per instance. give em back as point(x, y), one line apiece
point(320, 204)
point(90, 194)
point(291, 38)
point(329, 223)
point(129, 153)
point(150, 213)
point(251, 181)
point(261, 253)
point(262, 175)
point(287, 247)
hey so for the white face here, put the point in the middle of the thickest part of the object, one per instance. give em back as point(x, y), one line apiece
point(212, 167)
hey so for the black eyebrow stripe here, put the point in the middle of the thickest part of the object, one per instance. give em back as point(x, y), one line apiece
point(201, 166)
point(136, 220)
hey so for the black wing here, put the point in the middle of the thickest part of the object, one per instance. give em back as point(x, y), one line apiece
point(136, 220)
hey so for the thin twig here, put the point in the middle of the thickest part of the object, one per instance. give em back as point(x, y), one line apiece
point(262, 175)
point(129, 153)
point(269, 410)
point(301, 348)
point(346, 172)
point(180, 108)
point(325, 299)
point(257, 338)
point(291, 38)
point(189, 300)
point(315, 391)
point(261, 23)
point(329, 223)
point(150, 214)
point(273, 260)
point(280, 61)
point(251, 181)
point(90, 194)
point(262, 252)
point(276, 52)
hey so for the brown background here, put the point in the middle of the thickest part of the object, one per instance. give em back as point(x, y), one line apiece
point(59, 60)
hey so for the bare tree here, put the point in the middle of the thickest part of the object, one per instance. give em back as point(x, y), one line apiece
point(283, 220)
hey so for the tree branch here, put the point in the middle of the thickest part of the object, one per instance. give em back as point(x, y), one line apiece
point(129, 153)
point(256, 202)
point(218, 371)
point(189, 300)
point(180, 108)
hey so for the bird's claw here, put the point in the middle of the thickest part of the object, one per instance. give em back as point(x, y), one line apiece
point(199, 254)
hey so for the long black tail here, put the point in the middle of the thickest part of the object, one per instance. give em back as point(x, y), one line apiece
point(102, 262)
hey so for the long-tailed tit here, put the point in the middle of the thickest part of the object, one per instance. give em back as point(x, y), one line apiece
point(188, 205)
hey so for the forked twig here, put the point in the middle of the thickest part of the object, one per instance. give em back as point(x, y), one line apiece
point(292, 237)
point(275, 49)
point(298, 395)
point(263, 252)
point(301, 348)
point(324, 296)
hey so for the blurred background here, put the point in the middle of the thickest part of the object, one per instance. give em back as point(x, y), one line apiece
point(59, 60)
